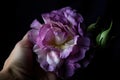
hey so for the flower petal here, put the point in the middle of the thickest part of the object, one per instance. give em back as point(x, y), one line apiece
point(49, 39)
point(80, 31)
point(78, 56)
point(42, 33)
point(70, 19)
point(33, 34)
point(71, 67)
point(35, 24)
point(70, 70)
point(83, 42)
point(53, 60)
point(82, 47)
point(41, 58)
point(68, 47)
point(60, 37)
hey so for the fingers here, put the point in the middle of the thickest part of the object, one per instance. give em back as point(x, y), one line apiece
point(21, 56)
point(5, 76)
point(19, 63)
point(51, 76)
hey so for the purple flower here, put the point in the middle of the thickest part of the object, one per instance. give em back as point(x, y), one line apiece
point(60, 42)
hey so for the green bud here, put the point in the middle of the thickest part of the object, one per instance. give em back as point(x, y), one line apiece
point(102, 38)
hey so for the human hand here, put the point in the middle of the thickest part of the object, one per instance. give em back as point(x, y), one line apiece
point(21, 64)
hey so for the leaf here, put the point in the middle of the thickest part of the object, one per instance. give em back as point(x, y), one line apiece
point(102, 38)
point(91, 27)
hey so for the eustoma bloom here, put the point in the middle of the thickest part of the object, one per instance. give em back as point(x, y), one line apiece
point(60, 43)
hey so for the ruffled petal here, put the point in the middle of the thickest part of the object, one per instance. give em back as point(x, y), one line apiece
point(68, 47)
point(53, 60)
point(80, 31)
point(41, 57)
point(71, 67)
point(79, 50)
point(33, 34)
point(60, 37)
point(70, 18)
point(49, 39)
point(42, 33)
point(78, 56)
point(83, 42)
point(35, 24)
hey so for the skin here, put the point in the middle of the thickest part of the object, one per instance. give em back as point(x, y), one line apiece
point(22, 65)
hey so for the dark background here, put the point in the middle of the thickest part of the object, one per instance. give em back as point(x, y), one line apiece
point(105, 63)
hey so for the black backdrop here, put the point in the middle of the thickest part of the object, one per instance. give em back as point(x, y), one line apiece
point(106, 61)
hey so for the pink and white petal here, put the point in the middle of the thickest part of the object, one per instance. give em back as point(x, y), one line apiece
point(49, 39)
point(70, 30)
point(72, 20)
point(41, 58)
point(43, 31)
point(33, 34)
point(36, 24)
point(46, 18)
point(46, 38)
point(68, 47)
point(60, 37)
point(40, 52)
point(53, 60)
point(36, 48)
point(66, 52)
